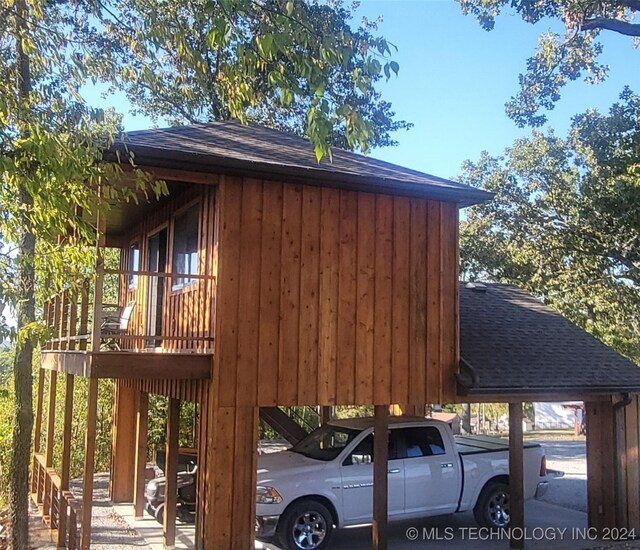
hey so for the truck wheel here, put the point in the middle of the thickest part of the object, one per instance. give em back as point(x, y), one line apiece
point(307, 525)
point(494, 505)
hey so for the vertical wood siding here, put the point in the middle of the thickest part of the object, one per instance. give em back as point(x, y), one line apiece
point(328, 296)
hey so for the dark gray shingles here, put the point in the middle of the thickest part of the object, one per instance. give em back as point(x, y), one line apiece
point(258, 148)
point(516, 343)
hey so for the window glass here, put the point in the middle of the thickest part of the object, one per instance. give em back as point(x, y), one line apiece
point(134, 263)
point(363, 453)
point(325, 443)
point(185, 246)
point(425, 441)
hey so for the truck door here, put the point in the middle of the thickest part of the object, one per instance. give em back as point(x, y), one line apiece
point(357, 481)
point(431, 472)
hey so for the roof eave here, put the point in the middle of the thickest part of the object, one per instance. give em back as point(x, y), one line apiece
point(145, 156)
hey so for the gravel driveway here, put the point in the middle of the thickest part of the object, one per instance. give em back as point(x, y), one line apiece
point(570, 457)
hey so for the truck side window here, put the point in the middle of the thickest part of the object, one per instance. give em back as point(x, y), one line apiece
point(363, 453)
point(425, 441)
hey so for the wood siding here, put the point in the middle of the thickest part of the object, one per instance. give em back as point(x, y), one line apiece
point(328, 296)
point(613, 463)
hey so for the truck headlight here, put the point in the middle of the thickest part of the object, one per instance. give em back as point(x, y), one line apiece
point(267, 495)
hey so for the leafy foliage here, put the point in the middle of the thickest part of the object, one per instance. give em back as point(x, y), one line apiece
point(293, 64)
point(559, 58)
point(565, 222)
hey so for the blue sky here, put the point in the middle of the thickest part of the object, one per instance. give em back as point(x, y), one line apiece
point(455, 79)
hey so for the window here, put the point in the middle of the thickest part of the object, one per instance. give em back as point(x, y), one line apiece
point(363, 453)
point(184, 259)
point(423, 442)
point(325, 443)
point(134, 264)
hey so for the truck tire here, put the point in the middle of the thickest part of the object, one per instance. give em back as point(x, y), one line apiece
point(307, 525)
point(493, 507)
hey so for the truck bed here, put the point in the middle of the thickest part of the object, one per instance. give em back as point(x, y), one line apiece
point(475, 444)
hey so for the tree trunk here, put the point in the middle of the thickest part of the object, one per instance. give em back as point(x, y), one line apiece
point(23, 360)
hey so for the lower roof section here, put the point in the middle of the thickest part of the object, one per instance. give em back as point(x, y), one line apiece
point(512, 345)
point(125, 365)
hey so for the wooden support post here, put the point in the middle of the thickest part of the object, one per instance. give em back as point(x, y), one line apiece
point(601, 481)
point(231, 477)
point(123, 455)
point(66, 458)
point(516, 475)
point(92, 399)
point(51, 425)
point(142, 424)
point(326, 414)
point(37, 430)
point(380, 476)
point(89, 464)
point(171, 474)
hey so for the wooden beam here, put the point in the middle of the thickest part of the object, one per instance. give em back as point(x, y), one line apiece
point(151, 365)
point(380, 477)
point(89, 464)
point(142, 424)
point(66, 457)
point(531, 397)
point(516, 474)
point(170, 174)
point(77, 363)
point(171, 474)
point(123, 444)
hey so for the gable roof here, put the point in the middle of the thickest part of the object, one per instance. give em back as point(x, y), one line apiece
point(515, 344)
point(255, 150)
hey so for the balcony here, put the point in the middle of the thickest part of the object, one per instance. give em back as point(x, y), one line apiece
point(146, 325)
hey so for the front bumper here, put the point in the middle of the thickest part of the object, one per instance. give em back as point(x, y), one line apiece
point(542, 488)
point(266, 526)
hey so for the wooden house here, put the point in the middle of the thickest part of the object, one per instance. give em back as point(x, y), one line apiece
point(263, 279)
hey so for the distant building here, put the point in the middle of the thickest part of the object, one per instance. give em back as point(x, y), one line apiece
point(554, 416)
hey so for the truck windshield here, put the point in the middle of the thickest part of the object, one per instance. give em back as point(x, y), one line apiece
point(325, 443)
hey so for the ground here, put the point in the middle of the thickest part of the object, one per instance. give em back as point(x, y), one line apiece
point(556, 522)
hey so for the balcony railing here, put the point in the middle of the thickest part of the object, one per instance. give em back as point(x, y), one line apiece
point(142, 311)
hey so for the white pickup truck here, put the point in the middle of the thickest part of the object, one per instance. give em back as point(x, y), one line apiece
point(326, 480)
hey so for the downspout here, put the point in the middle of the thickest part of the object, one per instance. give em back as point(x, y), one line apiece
point(618, 411)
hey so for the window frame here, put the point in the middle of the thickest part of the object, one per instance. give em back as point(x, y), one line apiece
point(132, 279)
point(189, 284)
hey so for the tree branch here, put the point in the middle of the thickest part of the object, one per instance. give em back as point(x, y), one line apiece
point(615, 25)
point(631, 4)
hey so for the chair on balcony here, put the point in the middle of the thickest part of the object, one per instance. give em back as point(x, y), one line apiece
point(115, 325)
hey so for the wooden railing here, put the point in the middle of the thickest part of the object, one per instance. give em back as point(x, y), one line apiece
point(59, 508)
point(166, 316)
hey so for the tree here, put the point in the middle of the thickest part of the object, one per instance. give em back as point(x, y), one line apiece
point(296, 65)
point(559, 58)
point(292, 64)
point(565, 222)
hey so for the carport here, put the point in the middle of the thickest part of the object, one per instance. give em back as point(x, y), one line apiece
point(515, 349)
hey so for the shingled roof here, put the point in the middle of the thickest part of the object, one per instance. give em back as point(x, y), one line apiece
point(514, 344)
point(258, 151)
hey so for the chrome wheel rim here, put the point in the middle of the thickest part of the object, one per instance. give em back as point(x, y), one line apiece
point(309, 530)
point(499, 509)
